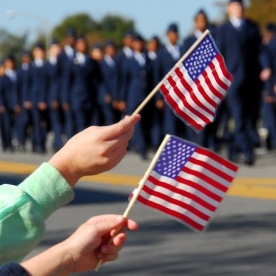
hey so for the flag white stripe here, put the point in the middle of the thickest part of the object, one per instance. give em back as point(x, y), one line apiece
point(206, 172)
point(202, 183)
point(190, 101)
point(208, 90)
point(214, 82)
point(179, 197)
point(173, 207)
point(187, 188)
point(213, 163)
point(220, 72)
point(195, 89)
point(185, 109)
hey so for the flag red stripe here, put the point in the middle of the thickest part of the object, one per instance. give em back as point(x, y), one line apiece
point(191, 92)
point(181, 192)
point(185, 102)
point(224, 69)
point(177, 110)
point(171, 213)
point(198, 187)
point(211, 169)
point(206, 97)
point(210, 86)
point(176, 202)
point(217, 78)
point(218, 159)
point(205, 178)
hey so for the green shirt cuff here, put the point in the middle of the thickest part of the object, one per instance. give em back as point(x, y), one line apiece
point(48, 189)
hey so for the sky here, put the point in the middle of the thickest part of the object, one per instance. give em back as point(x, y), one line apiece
point(151, 16)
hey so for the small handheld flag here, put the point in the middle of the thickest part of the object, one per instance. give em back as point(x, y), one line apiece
point(187, 183)
point(196, 85)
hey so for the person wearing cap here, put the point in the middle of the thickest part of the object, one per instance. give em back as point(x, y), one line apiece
point(24, 86)
point(167, 57)
point(66, 56)
point(153, 124)
point(82, 92)
point(96, 52)
point(240, 43)
point(9, 104)
point(54, 94)
point(109, 85)
point(207, 137)
point(39, 101)
point(123, 58)
point(137, 76)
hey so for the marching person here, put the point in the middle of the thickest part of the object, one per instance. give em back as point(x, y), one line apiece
point(167, 57)
point(137, 76)
point(269, 91)
point(208, 136)
point(39, 88)
point(124, 56)
point(64, 60)
point(24, 94)
point(9, 104)
point(109, 86)
point(81, 92)
point(154, 124)
point(54, 94)
point(239, 41)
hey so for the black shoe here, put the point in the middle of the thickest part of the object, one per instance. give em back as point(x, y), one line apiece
point(144, 157)
point(250, 161)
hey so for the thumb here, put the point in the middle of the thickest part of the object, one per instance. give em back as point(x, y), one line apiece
point(106, 223)
point(118, 129)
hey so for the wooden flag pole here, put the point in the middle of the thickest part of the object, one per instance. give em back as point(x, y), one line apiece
point(137, 192)
point(155, 90)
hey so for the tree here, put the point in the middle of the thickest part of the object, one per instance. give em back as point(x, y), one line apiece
point(114, 27)
point(83, 23)
point(12, 44)
point(110, 26)
point(262, 11)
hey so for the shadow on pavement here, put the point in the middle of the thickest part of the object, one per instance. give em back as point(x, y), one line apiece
point(82, 195)
point(233, 245)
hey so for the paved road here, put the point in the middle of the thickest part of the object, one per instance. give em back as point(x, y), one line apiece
point(241, 239)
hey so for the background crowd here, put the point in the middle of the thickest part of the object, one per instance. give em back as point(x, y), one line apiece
point(73, 85)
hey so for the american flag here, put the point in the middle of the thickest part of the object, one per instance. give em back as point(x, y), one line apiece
point(195, 87)
point(187, 183)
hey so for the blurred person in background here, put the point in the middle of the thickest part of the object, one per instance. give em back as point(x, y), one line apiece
point(24, 89)
point(167, 56)
point(109, 85)
point(269, 90)
point(240, 43)
point(39, 100)
point(154, 123)
point(9, 105)
point(208, 136)
point(96, 52)
point(124, 56)
point(136, 78)
point(54, 94)
point(82, 88)
point(64, 60)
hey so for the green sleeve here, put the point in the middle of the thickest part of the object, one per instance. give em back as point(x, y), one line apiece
point(24, 209)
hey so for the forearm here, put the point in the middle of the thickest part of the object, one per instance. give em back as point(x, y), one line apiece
point(55, 261)
point(66, 169)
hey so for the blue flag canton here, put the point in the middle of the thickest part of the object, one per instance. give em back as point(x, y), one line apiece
point(173, 158)
point(200, 58)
